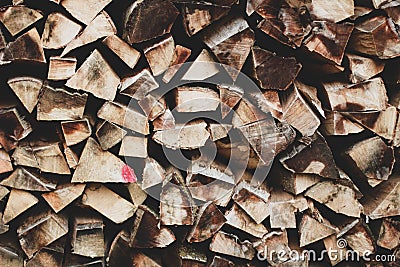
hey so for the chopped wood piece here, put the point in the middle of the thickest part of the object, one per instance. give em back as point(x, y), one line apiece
point(146, 231)
point(373, 158)
point(268, 67)
point(190, 256)
point(98, 28)
point(76, 131)
point(59, 105)
point(133, 146)
point(212, 169)
point(18, 18)
point(138, 196)
point(88, 237)
point(26, 47)
point(310, 94)
point(59, 31)
point(333, 249)
point(129, 55)
point(28, 180)
point(61, 68)
point(176, 205)
point(141, 260)
point(268, 101)
point(297, 183)
point(96, 76)
point(97, 165)
point(46, 157)
point(311, 230)
point(376, 36)
point(3, 192)
point(153, 173)
point(10, 256)
point(201, 68)
point(379, 3)
point(46, 257)
point(5, 162)
point(363, 68)
point(84, 12)
point(27, 90)
point(164, 121)
point(209, 220)
point(108, 203)
point(189, 136)
point(341, 199)
point(181, 54)
point(247, 113)
point(63, 196)
point(160, 55)
point(17, 128)
point(109, 134)
point(294, 106)
point(124, 116)
point(389, 234)
point(313, 158)
point(219, 131)
point(18, 202)
point(217, 191)
point(138, 85)
point(384, 202)
point(231, 41)
point(329, 40)
point(337, 11)
point(137, 28)
point(337, 124)
point(228, 244)
point(229, 98)
point(3, 42)
point(254, 201)
point(366, 96)
point(152, 106)
point(273, 247)
point(41, 230)
point(196, 99)
point(360, 239)
point(238, 218)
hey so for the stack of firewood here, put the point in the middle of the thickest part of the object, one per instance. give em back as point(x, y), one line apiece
point(283, 115)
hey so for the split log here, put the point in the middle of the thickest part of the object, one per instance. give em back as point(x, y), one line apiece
point(97, 165)
point(153, 106)
point(137, 29)
point(146, 232)
point(108, 203)
point(160, 55)
point(27, 90)
point(334, 248)
point(189, 136)
point(219, 131)
point(18, 202)
point(389, 234)
point(164, 121)
point(138, 85)
point(228, 244)
point(313, 158)
point(363, 68)
point(360, 11)
point(181, 54)
point(63, 196)
point(76, 131)
point(17, 128)
point(311, 230)
point(329, 40)
point(367, 38)
point(88, 237)
point(310, 94)
point(84, 12)
point(27, 47)
point(297, 183)
point(336, 123)
point(379, 3)
point(176, 205)
point(61, 68)
point(268, 101)
point(237, 217)
point(47, 256)
point(217, 191)
point(3, 42)
point(246, 113)
point(46, 157)
point(96, 76)
point(373, 158)
point(11, 256)
point(208, 222)
point(101, 26)
point(273, 247)
point(212, 169)
point(265, 8)
point(392, 10)
point(229, 98)
point(133, 146)
point(18, 18)
point(196, 99)
point(366, 96)
point(59, 31)
point(360, 239)
point(337, 11)
point(267, 67)
point(41, 230)
point(129, 55)
point(138, 196)
point(5, 162)
point(153, 173)
point(201, 68)
point(124, 116)
point(108, 134)
point(341, 199)
point(60, 105)
point(28, 180)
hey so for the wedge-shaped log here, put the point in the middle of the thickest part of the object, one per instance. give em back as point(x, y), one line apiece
point(267, 247)
point(48, 256)
point(5, 162)
point(61, 68)
point(18, 202)
point(26, 179)
point(27, 90)
point(331, 245)
point(88, 236)
point(13, 128)
point(108, 203)
point(337, 11)
point(129, 55)
point(363, 68)
point(18, 18)
point(84, 12)
point(297, 183)
point(229, 244)
point(229, 97)
point(108, 134)
point(76, 131)
point(153, 173)
point(176, 205)
point(181, 54)
point(201, 68)
point(360, 238)
point(138, 85)
point(160, 55)
point(196, 99)
point(247, 113)
point(138, 196)
point(213, 169)
point(133, 146)
point(217, 191)
point(336, 123)
point(310, 94)
point(219, 131)
point(389, 234)
point(63, 196)
point(311, 230)
point(164, 122)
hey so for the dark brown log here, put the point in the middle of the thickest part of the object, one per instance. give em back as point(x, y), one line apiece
point(265, 8)
point(108, 134)
point(47, 256)
point(18, 202)
point(133, 146)
point(76, 131)
point(61, 68)
point(153, 173)
point(360, 239)
point(27, 90)
point(160, 55)
point(84, 12)
point(202, 67)
point(363, 68)
point(311, 230)
point(5, 162)
point(137, 29)
point(310, 94)
point(17, 128)
point(11, 254)
point(59, 31)
point(129, 55)
point(337, 11)
point(389, 234)
point(18, 18)
point(28, 180)
point(228, 244)
point(196, 99)
point(63, 196)
point(180, 56)
point(88, 236)
point(337, 124)
point(3, 42)
point(138, 85)
point(229, 97)
point(267, 67)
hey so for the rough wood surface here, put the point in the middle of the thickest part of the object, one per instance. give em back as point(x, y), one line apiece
point(18, 202)
point(76, 131)
point(84, 12)
point(27, 90)
point(160, 55)
point(125, 52)
point(196, 99)
point(28, 180)
point(18, 18)
point(61, 68)
point(230, 245)
point(63, 195)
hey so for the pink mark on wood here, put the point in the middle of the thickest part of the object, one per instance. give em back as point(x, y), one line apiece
point(128, 174)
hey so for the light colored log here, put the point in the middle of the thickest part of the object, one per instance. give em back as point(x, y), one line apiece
point(337, 11)
point(160, 55)
point(219, 131)
point(164, 121)
point(363, 68)
point(27, 90)
point(88, 236)
point(76, 131)
point(336, 123)
point(86, 11)
point(312, 230)
point(63, 196)
point(25, 179)
point(129, 55)
point(108, 134)
point(18, 202)
point(196, 99)
point(153, 173)
point(201, 68)
point(229, 244)
point(138, 85)
point(229, 98)
point(61, 68)
point(133, 146)
point(181, 54)
point(18, 18)
point(138, 196)
point(389, 234)
point(5, 162)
